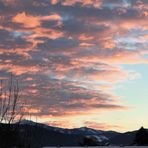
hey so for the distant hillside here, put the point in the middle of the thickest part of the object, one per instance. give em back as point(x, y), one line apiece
point(35, 135)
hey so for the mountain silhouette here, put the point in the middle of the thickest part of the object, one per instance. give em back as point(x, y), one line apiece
point(35, 135)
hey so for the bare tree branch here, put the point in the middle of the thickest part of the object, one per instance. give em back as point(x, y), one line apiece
point(10, 107)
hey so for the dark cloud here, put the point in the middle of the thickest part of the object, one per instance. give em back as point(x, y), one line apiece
point(8, 41)
point(54, 45)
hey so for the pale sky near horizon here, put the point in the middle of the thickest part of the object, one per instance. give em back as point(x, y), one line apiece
point(79, 62)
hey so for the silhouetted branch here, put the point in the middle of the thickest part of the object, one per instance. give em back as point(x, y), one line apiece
point(10, 109)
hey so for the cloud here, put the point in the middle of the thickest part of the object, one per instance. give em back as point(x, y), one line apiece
point(101, 126)
point(86, 3)
point(7, 41)
point(29, 21)
point(53, 45)
point(68, 55)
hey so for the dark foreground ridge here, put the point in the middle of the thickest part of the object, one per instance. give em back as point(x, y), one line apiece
point(28, 134)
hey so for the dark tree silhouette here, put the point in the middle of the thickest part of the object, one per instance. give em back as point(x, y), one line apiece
point(141, 138)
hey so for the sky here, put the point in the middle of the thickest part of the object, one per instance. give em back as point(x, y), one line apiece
point(78, 62)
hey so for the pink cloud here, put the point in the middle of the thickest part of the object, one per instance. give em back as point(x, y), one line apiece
point(67, 53)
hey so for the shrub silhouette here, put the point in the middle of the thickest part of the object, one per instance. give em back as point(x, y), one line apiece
point(90, 141)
